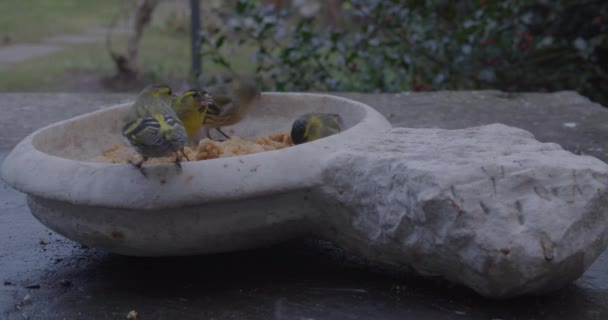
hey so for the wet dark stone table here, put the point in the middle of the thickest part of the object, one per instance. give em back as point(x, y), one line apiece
point(301, 279)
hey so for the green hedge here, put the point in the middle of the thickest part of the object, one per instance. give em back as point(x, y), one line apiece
point(390, 46)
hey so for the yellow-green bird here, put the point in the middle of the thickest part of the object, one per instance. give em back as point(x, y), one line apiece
point(231, 102)
point(312, 126)
point(191, 108)
point(153, 127)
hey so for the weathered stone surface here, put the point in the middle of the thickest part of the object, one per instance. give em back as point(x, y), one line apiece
point(272, 282)
point(489, 207)
point(567, 118)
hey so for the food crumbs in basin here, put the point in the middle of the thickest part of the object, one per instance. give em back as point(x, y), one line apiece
point(206, 149)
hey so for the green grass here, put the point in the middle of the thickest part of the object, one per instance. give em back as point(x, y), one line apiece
point(42, 74)
point(32, 20)
point(162, 55)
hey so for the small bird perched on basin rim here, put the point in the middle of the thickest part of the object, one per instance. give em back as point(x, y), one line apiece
point(312, 126)
point(153, 127)
point(191, 108)
point(232, 101)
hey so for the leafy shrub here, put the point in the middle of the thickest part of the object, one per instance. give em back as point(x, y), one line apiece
point(393, 45)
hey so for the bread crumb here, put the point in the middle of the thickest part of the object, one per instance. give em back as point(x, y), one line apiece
point(132, 315)
point(206, 149)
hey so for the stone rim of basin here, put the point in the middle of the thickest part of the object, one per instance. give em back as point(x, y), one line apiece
point(246, 176)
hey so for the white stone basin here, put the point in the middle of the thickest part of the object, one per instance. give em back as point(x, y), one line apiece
point(212, 206)
point(489, 207)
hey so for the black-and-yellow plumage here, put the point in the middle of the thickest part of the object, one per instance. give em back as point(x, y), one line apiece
point(191, 107)
point(154, 136)
point(152, 126)
point(312, 126)
point(231, 102)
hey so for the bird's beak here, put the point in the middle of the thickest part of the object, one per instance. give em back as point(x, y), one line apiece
point(203, 106)
point(205, 103)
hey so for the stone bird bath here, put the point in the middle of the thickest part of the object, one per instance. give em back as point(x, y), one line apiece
point(488, 207)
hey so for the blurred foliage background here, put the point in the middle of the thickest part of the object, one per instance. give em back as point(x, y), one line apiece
point(419, 45)
point(333, 45)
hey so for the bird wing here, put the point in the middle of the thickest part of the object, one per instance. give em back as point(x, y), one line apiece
point(339, 122)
